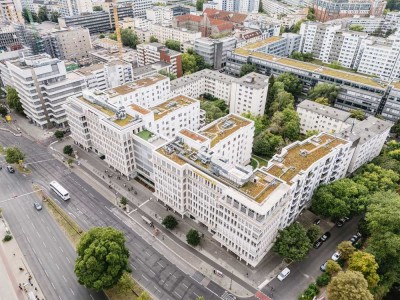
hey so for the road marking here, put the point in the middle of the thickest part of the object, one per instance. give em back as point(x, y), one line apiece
point(178, 294)
point(154, 274)
point(53, 285)
point(38, 233)
point(133, 266)
point(185, 285)
point(72, 214)
point(44, 245)
point(23, 230)
point(51, 255)
point(47, 275)
point(40, 262)
point(54, 238)
point(61, 249)
point(65, 279)
point(160, 264)
point(144, 203)
point(72, 291)
point(19, 196)
point(91, 296)
point(68, 259)
point(34, 251)
point(144, 277)
point(59, 297)
point(157, 289)
point(28, 240)
point(147, 253)
point(196, 295)
point(36, 162)
point(57, 267)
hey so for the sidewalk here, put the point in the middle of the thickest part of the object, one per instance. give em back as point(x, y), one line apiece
point(11, 259)
point(210, 248)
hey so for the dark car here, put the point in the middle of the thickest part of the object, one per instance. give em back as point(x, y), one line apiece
point(37, 206)
point(10, 169)
point(339, 223)
point(317, 244)
point(317, 221)
point(326, 236)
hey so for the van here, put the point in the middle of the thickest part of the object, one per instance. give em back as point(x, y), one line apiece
point(285, 273)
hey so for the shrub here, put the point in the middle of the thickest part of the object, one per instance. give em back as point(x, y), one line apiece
point(323, 280)
point(7, 237)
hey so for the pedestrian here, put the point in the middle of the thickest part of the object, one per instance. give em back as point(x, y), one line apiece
point(14, 254)
point(35, 288)
point(124, 184)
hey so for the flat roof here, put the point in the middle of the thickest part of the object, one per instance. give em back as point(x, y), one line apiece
point(99, 107)
point(260, 188)
point(254, 80)
point(301, 155)
point(396, 85)
point(193, 135)
point(325, 110)
point(88, 70)
point(165, 108)
point(139, 109)
point(216, 132)
point(348, 76)
point(182, 81)
point(264, 42)
point(133, 86)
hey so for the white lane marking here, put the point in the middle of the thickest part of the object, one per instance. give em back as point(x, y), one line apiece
point(72, 291)
point(65, 279)
point(38, 233)
point(40, 262)
point(196, 295)
point(144, 203)
point(57, 267)
point(144, 277)
point(51, 255)
point(160, 264)
point(61, 249)
point(91, 296)
point(154, 274)
point(44, 245)
point(59, 297)
point(133, 266)
point(53, 285)
point(68, 259)
point(34, 251)
point(185, 285)
point(178, 294)
point(28, 240)
point(54, 238)
point(147, 253)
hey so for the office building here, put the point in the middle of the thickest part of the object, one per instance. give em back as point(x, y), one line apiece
point(75, 7)
point(214, 51)
point(43, 86)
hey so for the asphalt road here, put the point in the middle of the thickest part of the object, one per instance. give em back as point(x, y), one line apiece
point(48, 252)
point(89, 208)
point(306, 271)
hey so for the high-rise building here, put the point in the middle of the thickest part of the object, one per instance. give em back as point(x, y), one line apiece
point(75, 7)
point(11, 11)
point(43, 86)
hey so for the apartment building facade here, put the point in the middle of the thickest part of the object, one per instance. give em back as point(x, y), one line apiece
point(214, 51)
point(153, 52)
point(44, 86)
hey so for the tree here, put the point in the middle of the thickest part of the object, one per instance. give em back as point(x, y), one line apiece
point(292, 83)
point(13, 100)
point(14, 155)
point(260, 122)
point(173, 45)
point(376, 178)
point(143, 296)
point(393, 5)
point(322, 100)
point(307, 57)
point(193, 237)
point(346, 249)
point(296, 27)
point(3, 111)
point(213, 112)
point(323, 280)
point(365, 263)
point(129, 38)
point(396, 128)
point(165, 73)
point(339, 199)
point(54, 15)
point(246, 69)
point(97, 8)
point(124, 287)
point(25, 15)
point(266, 144)
point(199, 5)
point(261, 8)
point(192, 62)
point(68, 150)
point(332, 267)
point(313, 233)
point(387, 163)
point(357, 114)
point(102, 36)
point(286, 124)
point(282, 100)
point(349, 285)
point(170, 222)
point(123, 201)
point(335, 65)
point(153, 39)
point(356, 27)
point(102, 258)
point(311, 14)
point(292, 242)
point(59, 134)
point(310, 133)
point(43, 14)
point(326, 90)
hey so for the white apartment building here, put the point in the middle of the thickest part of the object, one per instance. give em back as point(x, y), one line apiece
point(160, 15)
point(164, 33)
point(323, 118)
point(276, 7)
point(75, 7)
point(249, 94)
point(242, 208)
point(214, 51)
point(11, 11)
point(368, 138)
point(109, 75)
point(44, 85)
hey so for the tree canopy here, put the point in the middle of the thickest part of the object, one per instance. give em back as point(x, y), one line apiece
point(332, 267)
point(292, 83)
point(322, 100)
point(260, 122)
point(102, 258)
point(292, 242)
point(357, 114)
point(173, 45)
point(193, 237)
point(170, 222)
point(325, 90)
point(313, 232)
point(267, 144)
point(14, 155)
point(339, 199)
point(349, 285)
point(246, 69)
point(286, 124)
point(153, 39)
point(365, 263)
point(307, 57)
point(346, 249)
point(375, 178)
point(13, 100)
point(192, 62)
point(54, 15)
point(199, 5)
point(43, 13)
point(356, 27)
point(3, 111)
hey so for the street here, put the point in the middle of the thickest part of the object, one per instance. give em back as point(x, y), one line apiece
point(305, 272)
point(157, 274)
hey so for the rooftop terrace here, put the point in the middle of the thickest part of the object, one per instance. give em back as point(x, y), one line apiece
point(133, 86)
point(163, 109)
point(103, 109)
point(260, 188)
point(139, 109)
point(262, 43)
point(349, 76)
point(192, 135)
point(223, 128)
point(300, 156)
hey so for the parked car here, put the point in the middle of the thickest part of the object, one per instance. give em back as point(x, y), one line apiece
point(326, 236)
point(317, 244)
point(317, 221)
point(352, 240)
point(285, 273)
point(37, 206)
point(336, 256)
point(323, 266)
point(10, 169)
point(339, 223)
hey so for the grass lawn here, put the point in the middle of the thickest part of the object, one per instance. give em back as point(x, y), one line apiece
point(261, 161)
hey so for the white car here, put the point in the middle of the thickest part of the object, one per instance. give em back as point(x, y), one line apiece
point(336, 256)
point(285, 273)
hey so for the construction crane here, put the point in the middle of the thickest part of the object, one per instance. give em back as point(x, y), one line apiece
point(117, 29)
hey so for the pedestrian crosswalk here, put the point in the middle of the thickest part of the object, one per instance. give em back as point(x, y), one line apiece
point(227, 296)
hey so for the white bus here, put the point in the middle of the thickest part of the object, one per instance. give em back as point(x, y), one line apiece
point(60, 191)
